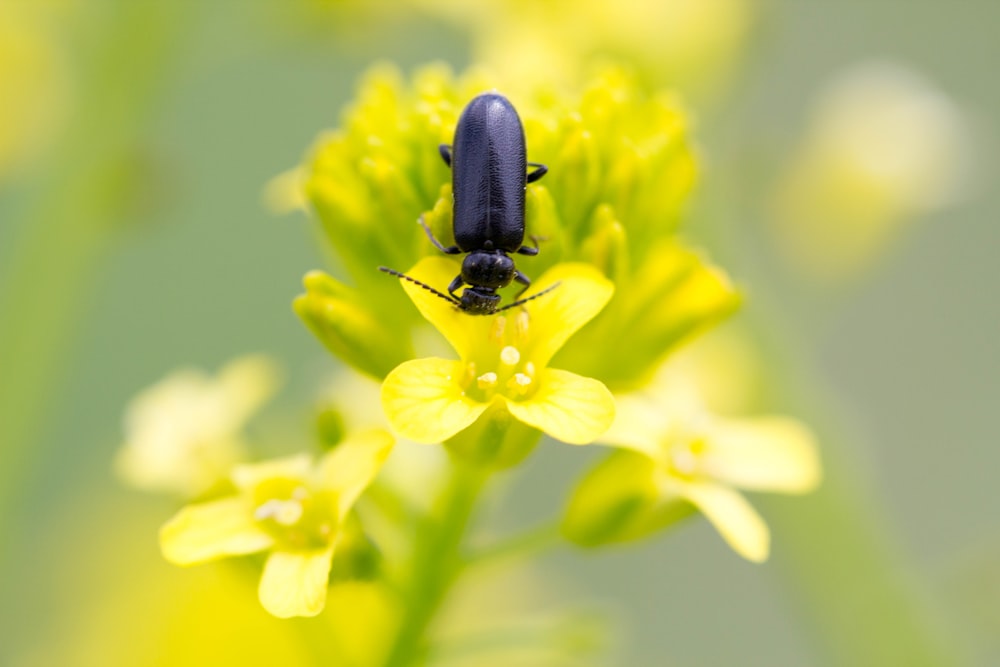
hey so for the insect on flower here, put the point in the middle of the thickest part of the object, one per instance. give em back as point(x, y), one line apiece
point(489, 175)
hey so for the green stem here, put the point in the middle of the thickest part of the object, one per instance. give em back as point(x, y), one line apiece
point(437, 561)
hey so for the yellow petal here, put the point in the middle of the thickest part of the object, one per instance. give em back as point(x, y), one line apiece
point(423, 400)
point(250, 475)
point(581, 293)
point(212, 530)
point(353, 464)
point(639, 426)
point(295, 583)
point(734, 518)
point(765, 454)
point(567, 406)
point(463, 331)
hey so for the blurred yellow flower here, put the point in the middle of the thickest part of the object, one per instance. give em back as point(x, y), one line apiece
point(504, 361)
point(676, 457)
point(292, 508)
point(183, 434)
point(688, 43)
point(882, 147)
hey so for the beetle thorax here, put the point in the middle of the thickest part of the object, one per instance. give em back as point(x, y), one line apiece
point(491, 269)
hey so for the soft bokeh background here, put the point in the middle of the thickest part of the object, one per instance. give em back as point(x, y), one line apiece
point(135, 141)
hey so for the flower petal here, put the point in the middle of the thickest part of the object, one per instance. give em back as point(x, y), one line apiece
point(295, 583)
point(581, 293)
point(766, 454)
point(567, 406)
point(639, 426)
point(249, 475)
point(353, 464)
point(735, 519)
point(424, 402)
point(212, 530)
point(463, 331)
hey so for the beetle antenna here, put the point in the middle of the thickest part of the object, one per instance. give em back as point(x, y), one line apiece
point(398, 274)
point(530, 298)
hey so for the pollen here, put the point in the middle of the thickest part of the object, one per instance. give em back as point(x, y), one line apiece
point(519, 384)
point(510, 355)
point(684, 461)
point(487, 380)
point(283, 512)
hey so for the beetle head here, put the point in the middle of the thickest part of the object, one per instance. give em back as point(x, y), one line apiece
point(477, 301)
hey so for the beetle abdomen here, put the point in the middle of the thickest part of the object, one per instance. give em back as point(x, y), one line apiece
point(489, 164)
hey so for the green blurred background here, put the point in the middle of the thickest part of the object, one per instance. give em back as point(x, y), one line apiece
point(133, 240)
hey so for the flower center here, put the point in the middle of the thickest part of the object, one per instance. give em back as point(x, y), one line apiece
point(502, 366)
point(296, 516)
point(684, 457)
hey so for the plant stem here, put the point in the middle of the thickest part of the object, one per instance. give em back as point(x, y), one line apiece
point(437, 561)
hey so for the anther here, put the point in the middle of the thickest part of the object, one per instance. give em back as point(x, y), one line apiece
point(496, 331)
point(510, 356)
point(685, 462)
point(487, 380)
point(523, 320)
point(285, 512)
point(519, 383)
point(470, 373)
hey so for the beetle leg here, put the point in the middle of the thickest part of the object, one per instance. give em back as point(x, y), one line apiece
point(524, 280)
point(533, 249)
point(451, 250)
point(445, 151)
point(455, 284)
point(540, 170)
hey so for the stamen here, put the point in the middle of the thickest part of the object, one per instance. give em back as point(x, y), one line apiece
point(285, 512)
point(496, 331)
point(529, 369)
point(522, 322)
point(510, 356)
point(685, 461)
point(519, 383)
point(487, 380)
point(470, 373)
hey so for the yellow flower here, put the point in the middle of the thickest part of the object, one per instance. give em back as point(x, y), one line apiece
point(292, 508)
point(883, 146)
point(689, 43)
point(504, 362)
point(677, 458)
point(182, 435)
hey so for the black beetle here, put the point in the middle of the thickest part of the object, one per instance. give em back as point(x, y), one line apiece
point(489, 175)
